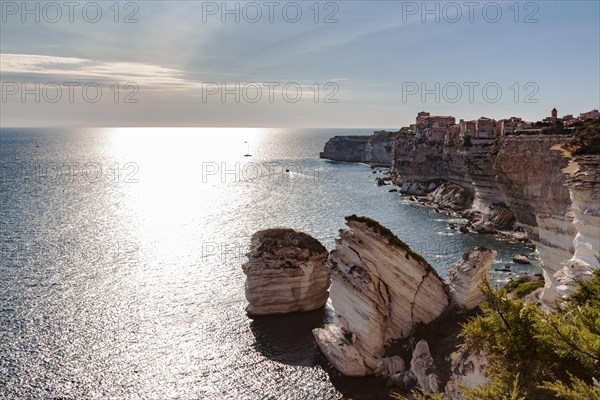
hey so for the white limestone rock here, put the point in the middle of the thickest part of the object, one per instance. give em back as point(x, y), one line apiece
point(423, 367)
point(528, 172)
point(467, 369)
point(391, 369)
point(521, 259)
point(451, 196)
point(380, 290)
point(583, 182)
point(466, 276)
point(286, 272)
point(338, 347)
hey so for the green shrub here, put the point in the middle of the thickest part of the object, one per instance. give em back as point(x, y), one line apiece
point(533, 354)
point(586, 139)
point(523, 286)
point(546, 355)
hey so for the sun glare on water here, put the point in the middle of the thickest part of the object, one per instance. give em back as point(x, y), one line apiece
point(167, 188)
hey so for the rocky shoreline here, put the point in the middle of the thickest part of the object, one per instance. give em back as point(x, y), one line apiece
point(521, 187)
point(393, 316)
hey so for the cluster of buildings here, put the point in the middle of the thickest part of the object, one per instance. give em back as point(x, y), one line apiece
point(444, 129)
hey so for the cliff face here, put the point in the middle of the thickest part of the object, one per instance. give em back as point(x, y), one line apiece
point(522, 177)
point(583, 183)
point(345, 148)
point(470, 167)
point(375, 149)
point(379, 148)
point(529, 174)
point(416, 161)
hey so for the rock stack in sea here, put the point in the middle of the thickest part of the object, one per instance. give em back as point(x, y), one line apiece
point(286, 272)
point(381, 290)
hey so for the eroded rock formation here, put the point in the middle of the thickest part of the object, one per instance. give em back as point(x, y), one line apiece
point(466, 276)
point(380, 290)
point(423, 368)
point(529, 175)
point(467, 170)
point(285, 272)
point(583, 182)
point(450, 196)
point(468, 370)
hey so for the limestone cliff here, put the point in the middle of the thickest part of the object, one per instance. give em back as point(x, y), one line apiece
point(583, 183)
point(529, 174)
point(379, 148)
point(469, 169)
point(375, 149)
point(285, 273)
point(346, 148)
point(416, 161)
point(518, 177)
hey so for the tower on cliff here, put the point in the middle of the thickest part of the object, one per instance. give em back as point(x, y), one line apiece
point(554, 114)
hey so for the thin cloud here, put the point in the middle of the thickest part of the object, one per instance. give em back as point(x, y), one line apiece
point(70, 68)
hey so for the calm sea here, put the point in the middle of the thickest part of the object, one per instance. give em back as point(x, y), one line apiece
point(121, 276)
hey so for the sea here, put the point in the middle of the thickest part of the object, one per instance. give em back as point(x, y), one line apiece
point(121, 278)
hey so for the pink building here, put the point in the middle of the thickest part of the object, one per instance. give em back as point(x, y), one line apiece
point(432, 127)
point(507, 126)
point(485, 128)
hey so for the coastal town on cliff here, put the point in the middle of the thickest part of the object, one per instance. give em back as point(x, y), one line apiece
point(392, 316)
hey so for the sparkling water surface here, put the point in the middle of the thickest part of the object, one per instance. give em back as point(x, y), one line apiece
point(121, 260)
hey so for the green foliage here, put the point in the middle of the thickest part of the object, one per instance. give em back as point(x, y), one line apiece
point(523, 286)
point(557, 128)
point(496, 389)
point(537, 355)
point(586, 139)
point(389, 235)
point(577, 390)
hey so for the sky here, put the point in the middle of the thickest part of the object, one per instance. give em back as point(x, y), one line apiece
point(345, 63)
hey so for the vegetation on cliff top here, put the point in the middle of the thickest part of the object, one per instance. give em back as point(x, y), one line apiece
point(523, 286)
point(533, 354)
point(272, 240)
point(385, 232)
point(586, 139)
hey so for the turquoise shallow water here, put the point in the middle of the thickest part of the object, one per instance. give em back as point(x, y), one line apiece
point(122, 250)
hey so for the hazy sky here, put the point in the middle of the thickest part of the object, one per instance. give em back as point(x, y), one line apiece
point(191, 63)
